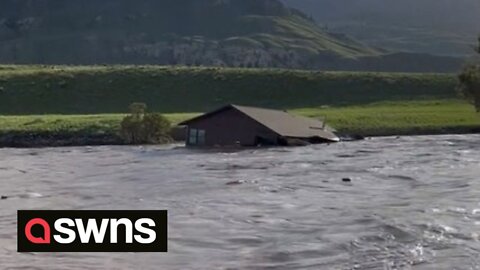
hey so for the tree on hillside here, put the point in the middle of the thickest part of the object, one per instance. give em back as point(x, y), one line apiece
point(470, 81)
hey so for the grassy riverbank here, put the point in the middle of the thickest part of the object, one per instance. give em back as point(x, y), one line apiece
point(65, 130)
point(83, 105)
point(401, 118)
point(376, 119)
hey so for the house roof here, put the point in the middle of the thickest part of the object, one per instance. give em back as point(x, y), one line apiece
point(280, 122)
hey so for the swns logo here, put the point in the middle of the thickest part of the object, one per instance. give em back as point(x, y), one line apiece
point(92, 231)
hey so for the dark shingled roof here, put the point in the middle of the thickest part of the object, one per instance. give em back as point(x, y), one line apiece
point(280, 122)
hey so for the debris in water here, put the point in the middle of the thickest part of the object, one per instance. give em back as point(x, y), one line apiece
point(3, 197)
point(347, 180)
point(237, 182)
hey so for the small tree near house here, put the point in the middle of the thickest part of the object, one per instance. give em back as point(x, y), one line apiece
point(142, 127)
point(470, 81)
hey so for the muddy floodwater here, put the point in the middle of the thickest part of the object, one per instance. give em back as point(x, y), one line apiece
point(412, 203)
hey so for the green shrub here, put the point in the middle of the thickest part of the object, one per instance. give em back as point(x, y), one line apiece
point(141, 127)
point(470, 84)
point(156, 128)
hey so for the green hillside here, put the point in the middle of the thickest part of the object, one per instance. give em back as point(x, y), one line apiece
point(98, 89)
point(232, 33)
point(249, 33)
point(443, 27)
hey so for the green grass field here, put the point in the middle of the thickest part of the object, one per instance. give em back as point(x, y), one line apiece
point(81, 102)
point(384, 118)
point(400, 118)
point(95, 123)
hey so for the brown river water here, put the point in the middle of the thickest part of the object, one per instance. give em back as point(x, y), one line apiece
point(413, 203)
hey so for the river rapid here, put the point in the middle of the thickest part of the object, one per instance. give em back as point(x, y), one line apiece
point(412, 203)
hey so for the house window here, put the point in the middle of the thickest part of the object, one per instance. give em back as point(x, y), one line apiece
point(201, 137)
point(196, 136)
point(192, 137)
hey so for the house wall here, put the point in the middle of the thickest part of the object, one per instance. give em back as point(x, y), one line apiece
point(229, 127)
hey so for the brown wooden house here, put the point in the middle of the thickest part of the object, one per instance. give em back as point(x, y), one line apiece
point(234, 125)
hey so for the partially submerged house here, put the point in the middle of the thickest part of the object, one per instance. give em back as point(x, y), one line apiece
point(234, 125)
